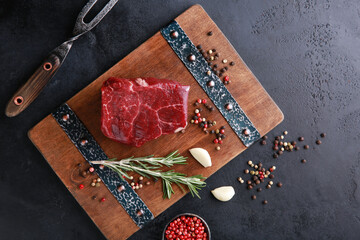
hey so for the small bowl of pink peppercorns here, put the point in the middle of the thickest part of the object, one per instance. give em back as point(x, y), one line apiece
point(187, 226)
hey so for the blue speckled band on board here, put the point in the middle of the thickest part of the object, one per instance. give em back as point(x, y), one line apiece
point(219, 95)
point(91, 151)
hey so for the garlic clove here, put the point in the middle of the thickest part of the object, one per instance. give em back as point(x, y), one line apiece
point(202, 156)
point(223, 194)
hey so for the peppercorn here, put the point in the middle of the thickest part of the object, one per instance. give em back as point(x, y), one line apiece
point(246, 171)
point(240, 180)
point(83, 173)
point(268, 186)
point(275, 155)
point(323, 135)
point(279, 184)
point(257, 182)
point(280, 152)
point(301, 139)
point(271, 176)
point(218, 147)
point(210, 33)
point(318, 142)
point(263, 142)
point(248, 182)
point(253, 197)
point(250, 187)
point(81, 186)
point(265, 202)
point(303, 161)
point(103, 199)
point(306, 146)
point(275, 148)
point(91, 169)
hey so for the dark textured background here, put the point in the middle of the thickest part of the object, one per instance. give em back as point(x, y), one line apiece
point(304, 52)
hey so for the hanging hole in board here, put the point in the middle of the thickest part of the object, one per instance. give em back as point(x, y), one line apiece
point(18, 100)
point(47, 66)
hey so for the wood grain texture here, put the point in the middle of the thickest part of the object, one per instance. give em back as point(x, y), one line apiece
point(155, 58)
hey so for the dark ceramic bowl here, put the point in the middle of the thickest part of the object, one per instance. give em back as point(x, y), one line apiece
point(207, 229)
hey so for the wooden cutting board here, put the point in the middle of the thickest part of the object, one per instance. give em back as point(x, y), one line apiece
point(155, 58)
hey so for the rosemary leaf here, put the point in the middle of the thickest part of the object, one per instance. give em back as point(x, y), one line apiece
point(149, 167)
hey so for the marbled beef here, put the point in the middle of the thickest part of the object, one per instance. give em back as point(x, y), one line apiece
point(138, 110)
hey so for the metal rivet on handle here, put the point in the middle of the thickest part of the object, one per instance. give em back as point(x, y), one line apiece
point(18, 100)
point(47, 66)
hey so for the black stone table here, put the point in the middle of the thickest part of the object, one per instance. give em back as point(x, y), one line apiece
point(306, 53)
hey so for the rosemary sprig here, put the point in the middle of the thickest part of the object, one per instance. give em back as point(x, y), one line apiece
point(148, 167)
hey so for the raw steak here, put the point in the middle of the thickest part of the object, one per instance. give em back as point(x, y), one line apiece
point(138, 110)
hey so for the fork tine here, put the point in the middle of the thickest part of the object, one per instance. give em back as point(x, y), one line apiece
point(101, 14)
point(81, 27)
point(86, 9)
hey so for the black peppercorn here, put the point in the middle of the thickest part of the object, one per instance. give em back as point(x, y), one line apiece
point(210, 33)
point(323, 135)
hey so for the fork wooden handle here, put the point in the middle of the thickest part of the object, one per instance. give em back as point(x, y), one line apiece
point(32, 88)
